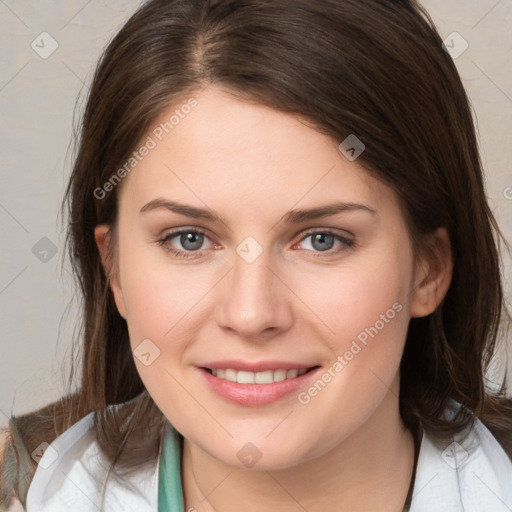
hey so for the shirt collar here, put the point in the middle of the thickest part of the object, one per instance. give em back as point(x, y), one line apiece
point(468, 474)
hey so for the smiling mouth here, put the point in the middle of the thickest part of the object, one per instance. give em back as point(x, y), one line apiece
point(263, 377)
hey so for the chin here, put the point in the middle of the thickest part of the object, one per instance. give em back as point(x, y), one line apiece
point(259, 456)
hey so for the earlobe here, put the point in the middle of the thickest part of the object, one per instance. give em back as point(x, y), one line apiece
point(103, 240)
point(433, 275)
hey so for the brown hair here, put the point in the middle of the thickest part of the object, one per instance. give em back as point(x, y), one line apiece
point(373, 68)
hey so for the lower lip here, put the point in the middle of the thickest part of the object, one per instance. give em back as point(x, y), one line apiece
point(255, 395)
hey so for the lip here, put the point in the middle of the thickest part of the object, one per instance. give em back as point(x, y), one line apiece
point(256, 395)
point(257, 366)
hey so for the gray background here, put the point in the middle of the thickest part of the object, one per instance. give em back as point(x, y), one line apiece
point(38, 98)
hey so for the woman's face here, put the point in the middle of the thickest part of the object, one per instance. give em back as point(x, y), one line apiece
point(272, 286)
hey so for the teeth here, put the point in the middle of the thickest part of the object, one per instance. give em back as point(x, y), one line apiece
point(279, 375)
point(263, 377)
point(266, 377)
point(245, 377)
point(230, 375)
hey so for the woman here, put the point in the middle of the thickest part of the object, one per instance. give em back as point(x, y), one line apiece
point(290, 273)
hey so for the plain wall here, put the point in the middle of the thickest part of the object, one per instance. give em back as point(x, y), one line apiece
point(37, 102)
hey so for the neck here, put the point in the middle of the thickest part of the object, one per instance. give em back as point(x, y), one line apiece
point(369, 470)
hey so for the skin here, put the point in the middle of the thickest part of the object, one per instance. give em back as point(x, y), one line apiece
point(347, 449)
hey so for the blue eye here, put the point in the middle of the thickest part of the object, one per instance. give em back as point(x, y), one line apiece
point(192, 240)
point(324, 241)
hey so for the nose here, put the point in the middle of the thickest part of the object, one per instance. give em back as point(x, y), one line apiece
point(255, 304)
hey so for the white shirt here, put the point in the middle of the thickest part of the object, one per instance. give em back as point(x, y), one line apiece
point(470, 475)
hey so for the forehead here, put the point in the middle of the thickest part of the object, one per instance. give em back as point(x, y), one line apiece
point(233, 152)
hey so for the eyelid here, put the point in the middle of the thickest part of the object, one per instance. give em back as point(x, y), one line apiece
point(346, 241)
point(164, 237)
point(305, 233)
point(343, 233)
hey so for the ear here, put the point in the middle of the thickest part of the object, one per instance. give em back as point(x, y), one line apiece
point(102, 236)
point(433, 275)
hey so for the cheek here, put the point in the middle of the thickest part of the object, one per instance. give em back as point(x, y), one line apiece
point(366, 308)
point(162, 302)
point(156, 292)
point(367, 294)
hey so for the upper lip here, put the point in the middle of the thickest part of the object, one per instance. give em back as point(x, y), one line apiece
point(257, 366)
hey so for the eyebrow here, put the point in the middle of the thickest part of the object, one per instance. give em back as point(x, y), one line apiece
point(291, 217)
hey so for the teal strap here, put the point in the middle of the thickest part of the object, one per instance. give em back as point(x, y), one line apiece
point(170, 493)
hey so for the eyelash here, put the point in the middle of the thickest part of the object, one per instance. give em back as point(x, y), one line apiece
point(347, 243)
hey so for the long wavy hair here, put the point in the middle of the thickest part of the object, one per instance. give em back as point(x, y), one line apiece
point(373, 68)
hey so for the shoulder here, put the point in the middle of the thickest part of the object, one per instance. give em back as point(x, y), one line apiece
point(469, 473)
point(5, 439)
point(74, 474)
point(9, 474)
